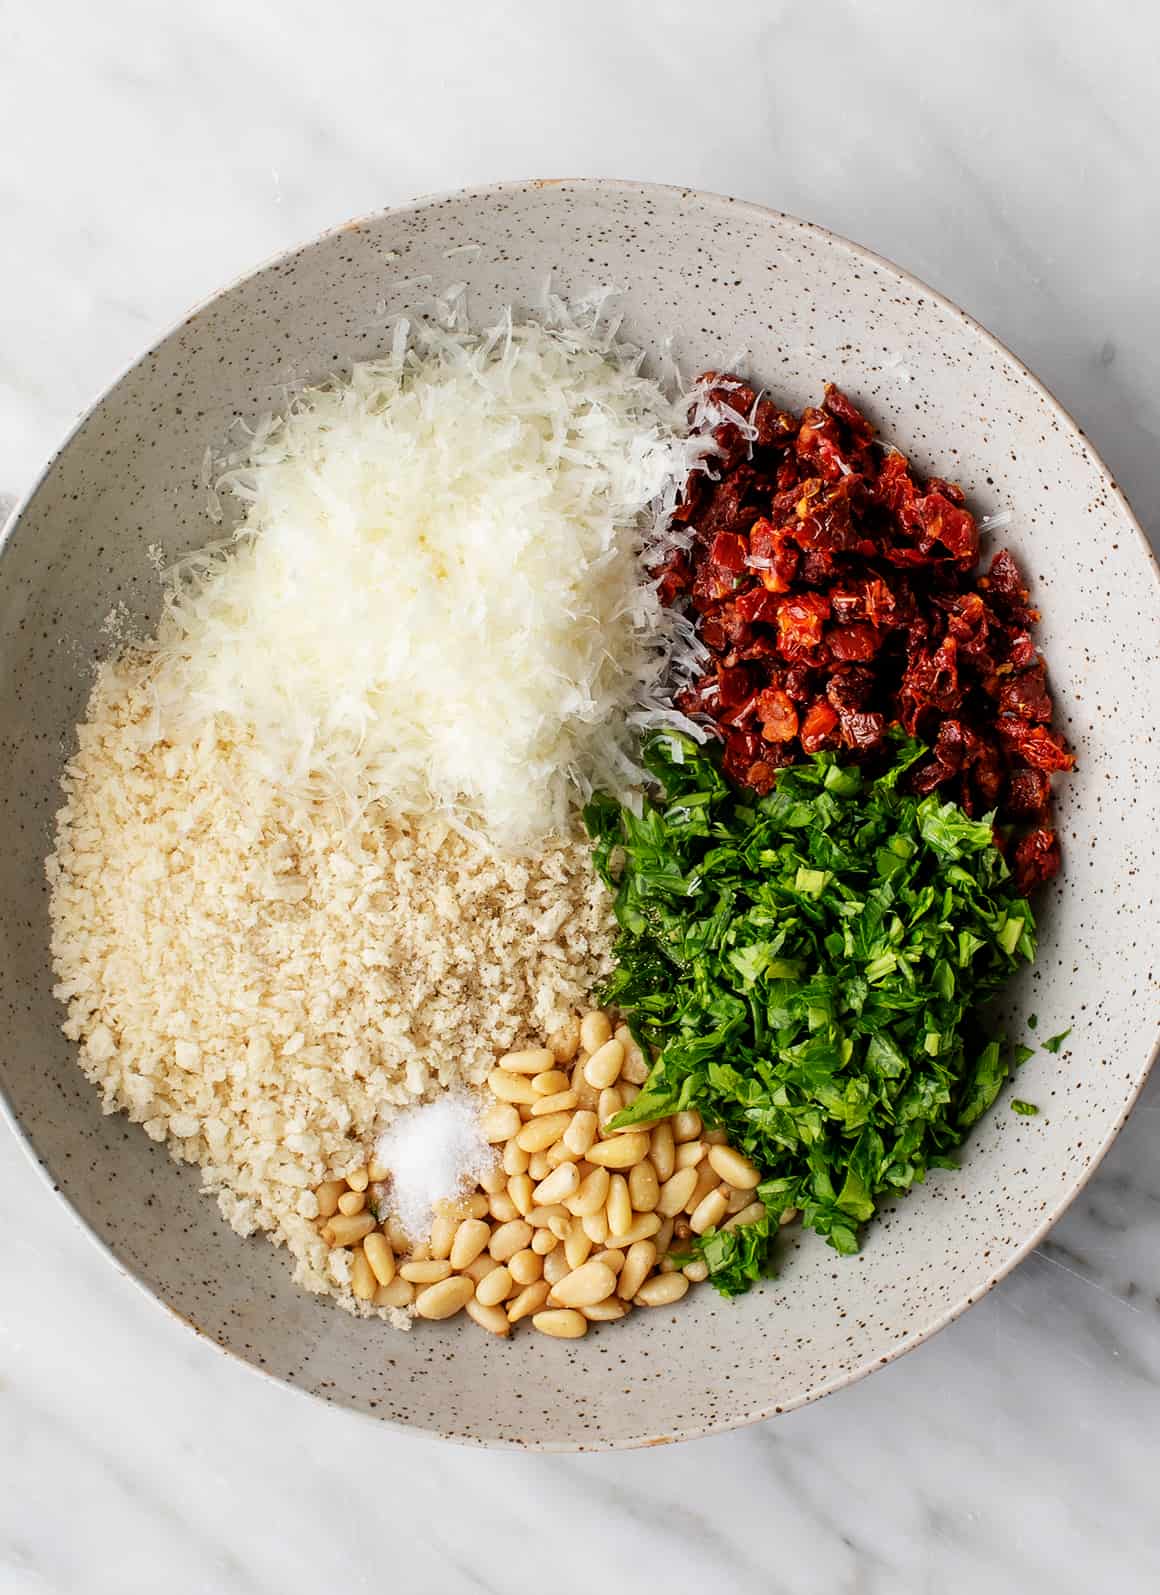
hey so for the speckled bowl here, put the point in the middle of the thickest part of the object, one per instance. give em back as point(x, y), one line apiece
point(720, 278)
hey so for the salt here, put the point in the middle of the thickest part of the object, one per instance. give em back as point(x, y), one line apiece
point(435, 1153)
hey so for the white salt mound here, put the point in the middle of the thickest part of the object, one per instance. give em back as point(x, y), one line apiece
point(435, 1152)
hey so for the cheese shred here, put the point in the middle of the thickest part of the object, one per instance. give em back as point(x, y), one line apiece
point(438, 598)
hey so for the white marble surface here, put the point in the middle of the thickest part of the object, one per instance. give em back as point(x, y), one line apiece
point(150, 151)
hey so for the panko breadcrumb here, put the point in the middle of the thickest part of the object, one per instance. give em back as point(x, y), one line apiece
point(262, 985)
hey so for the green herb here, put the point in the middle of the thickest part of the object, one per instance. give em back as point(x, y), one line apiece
point(1027, 1109)
point(1032, 1021)
point(1053, 1043)
point(808, 963)
point(737, 1257)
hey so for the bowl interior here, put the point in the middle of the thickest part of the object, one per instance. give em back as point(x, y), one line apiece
point(729, 284)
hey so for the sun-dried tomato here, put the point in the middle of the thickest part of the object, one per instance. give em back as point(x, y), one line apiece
point(853, 643)
point(799, 624)
point(819, 727)
point(779, 718)
point(833, 590)
point(1035, 859)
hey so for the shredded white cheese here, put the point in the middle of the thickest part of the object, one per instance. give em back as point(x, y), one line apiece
point(438, 597)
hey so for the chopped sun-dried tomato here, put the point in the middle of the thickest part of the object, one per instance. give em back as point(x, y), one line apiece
point(835, 592)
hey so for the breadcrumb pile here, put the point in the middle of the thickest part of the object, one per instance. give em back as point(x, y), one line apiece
point(262, 983)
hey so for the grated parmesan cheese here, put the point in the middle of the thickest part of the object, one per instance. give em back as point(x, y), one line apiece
point(437, 598)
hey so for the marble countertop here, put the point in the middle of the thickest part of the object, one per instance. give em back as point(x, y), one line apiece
point(1005, 153)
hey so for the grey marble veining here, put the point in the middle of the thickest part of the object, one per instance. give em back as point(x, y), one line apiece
point(148, 153)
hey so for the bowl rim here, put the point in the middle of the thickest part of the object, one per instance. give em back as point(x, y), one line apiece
point(642, 190)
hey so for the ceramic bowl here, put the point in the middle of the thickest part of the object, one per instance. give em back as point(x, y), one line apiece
point(724, 281)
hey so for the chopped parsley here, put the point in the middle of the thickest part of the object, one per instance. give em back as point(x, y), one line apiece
point(1027, 1109)
point(1053, 1043)
point(809, 964)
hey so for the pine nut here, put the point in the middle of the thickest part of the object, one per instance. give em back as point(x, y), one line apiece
point(352, 1202)
point(470, 1239)
point(788, 1216)
point(706, 1182)
point(577, 1247)
point(483, 1265)
point(541, 1217)
point(562, 1183)
point(556, 1155)
point(587, 1097)
point(612, 1258)
point(734, 1169)
point(446, 1298)
point(565, 1042)
point(603, 1067)
point(629, 1094)
point(538, 1167)
point(622, 1152)
point(643, 1187)
point(619, 1209)
point(737, 1200)
point(608, 1106)
point(686, 1125)
point(493, 1318)
point(511, 1087)
point(661, 1290)
point(498, 1122)
point(358, 1179)
point(426, 1271)
point(519, 1191)
point(561, 1228)
point(529, 1060)
point(592, 1195)
point(362, 1276)
point(644, 1226)
point(747, 1215)
point(378, 1171)
point(515, 1161)
point(681, 1228)
point(709, 1212)
point(676, 1192)
point(563, 1323)
point(328, 1194)
point(509, 1239)
point(529, 1300)
point(397, 1235)
point(551, 1083)
point(502, 1208)
point(421, 1253)
point(585, 1286)
point(603, 1312)
point(664, 1237)
point(442, 1238)
point(343, 1231)
point(380, 1257)
point(539, 1134)
point(399, 1293)
point(715, 1137)
point(635, 1066)
point(581, 1133)
point(661, 1152)
point(595, 1030)
point(638, 1264)
point(595, 1226)
point(543, 1242)
point(696, 1271)
point(555, 1266)
point(494, 1287)
point(474, 1206)
point(562, 1102)
point(526, 1266)
point(690, 1153)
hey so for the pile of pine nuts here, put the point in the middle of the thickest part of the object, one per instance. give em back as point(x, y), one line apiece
point(576, 1223)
